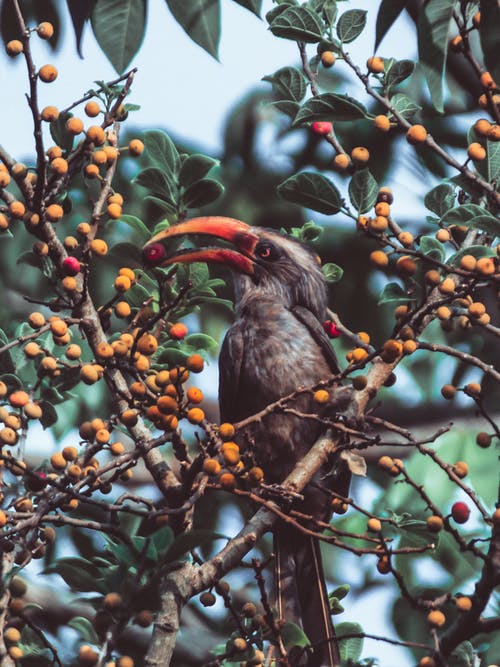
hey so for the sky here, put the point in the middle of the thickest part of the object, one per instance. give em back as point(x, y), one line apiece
point(184, 90)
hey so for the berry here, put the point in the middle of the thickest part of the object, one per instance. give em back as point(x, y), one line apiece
point(45, 30)
point(195, 363)
point(92, 109)
point(74, 125)
point(226, 431)
point(375, 65)
point(374, 525)
point(47, 73)
point(195, 415)
point(114, 211)
point(135, 147)
point(71, 266)
point(50, 113)
point(476, 152)
point(96, 135)
point(122, 309)
point(178, 331)
point(211, 467)
point(194, 395)
point(416, 134)
point(379, 258)
point(207, 599)
point(14, 47)
point(342, 162)
point(327, 58)
point(487, 81)
point(460, 512)
point(436, 618)
point(382, 123)
point(360, 155)
point(434, 523)
point(227, 481)
point(463, 603)
point(321, 396)
point(331, 329)
point(112, 601)
point(461, 469)
point(321, 127)
point(99, 247)
point(483, 439)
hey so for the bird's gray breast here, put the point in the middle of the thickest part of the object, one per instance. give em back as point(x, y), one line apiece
point(269, 354)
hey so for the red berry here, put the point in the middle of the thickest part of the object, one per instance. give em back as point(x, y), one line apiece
point(331, 329)
point(178, 331)
point(321, 127)
point(460, 512)
point(71, 266)
point(154, 254)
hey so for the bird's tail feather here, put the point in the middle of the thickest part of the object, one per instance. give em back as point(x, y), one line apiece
point(302, 596)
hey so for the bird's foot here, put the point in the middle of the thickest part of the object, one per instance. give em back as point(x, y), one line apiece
point(278, 493)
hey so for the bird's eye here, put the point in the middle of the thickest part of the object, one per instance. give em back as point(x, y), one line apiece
point(266, 251)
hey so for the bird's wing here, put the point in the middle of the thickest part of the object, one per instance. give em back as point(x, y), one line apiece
point(230, 360)
point(316, 330)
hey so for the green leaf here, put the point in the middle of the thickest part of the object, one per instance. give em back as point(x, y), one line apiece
point(84, 628)
point(292, 636)
point(332, 272)
point(363, 190)
point(404, 106)
point(202, 193)
point(432, 248)
point(493, 160)
point(350, 649)
point(393, 293)
point(49, 414)
point(473, 216)
point(201, 341)
point(138, 226)
point(398, 71)
point(440, 199)
point(159, 183)
point(166, 206)
point(58, 131)
point(341, 591)
point(433, 29)
point(330, 106)
point(186, 541)
point(164, 224)
point(388, 12)
point(309, 231)
point(194, 168)
point(489, 34)
point(298, 24)
point(161, 150)
point(200, 19)
point(79, 573)
point(312, 191)
point(286, 107)
point(119, 27)
point(335, 606)
point(253, 6)
point(351, 24)
point(476, 251)
point(288, 84)
point(463, 656)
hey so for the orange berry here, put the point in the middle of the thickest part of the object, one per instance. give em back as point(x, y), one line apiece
point(327, 58)
point(99, 247)
point(195, 363)
point(122, 283)
point(456, 44)
point(17, 209)
point(91, 171)
point(99, 157)
point(111, 154)
point(194, 395)
point(129, 417)
point(50, 113)
point(135, 147)
point(476, 20)
point(54, 212)
point(461, 469)
point(494, 133)
point(406, 265)
point(485, 266)
point(14, 47)
point(375, 64)
point(256, 475)
point(32, 350)
point(342, 161)
point(45, 30)
point(18, 399)
point(405, 238)
point(472, 389)
point(486, 81)
point(74, 125)
point(321, 396)
point(436, 618)
point(195, 415)
point(374, 525)
point(57, 461)
point(463, 603)
point(447, 286)
point(211, 467)
point(114, 211)
point(481, 127)
point(4, 179)
point(178, 331)
point(47, 73)
point(378, 224)
point(83, 228)
point(92, 109)
point(122, 309)
point(228, 481)
point(416, 134)
point(385, 463)
point(87, 657)
point(96, 135)
point(89, 374)
point(382, 123)
point(382, 208)
point(60, 167)
point(8, 436)
point(167, 405)
point(360, 155)
point(379, 258)
point(434, 523)
point(476, 152)
point(147, 344)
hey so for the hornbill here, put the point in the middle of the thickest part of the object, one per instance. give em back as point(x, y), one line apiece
point(276, 345)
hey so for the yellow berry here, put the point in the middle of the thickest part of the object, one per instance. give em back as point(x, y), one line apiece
point(47, 73)
point(375, 64)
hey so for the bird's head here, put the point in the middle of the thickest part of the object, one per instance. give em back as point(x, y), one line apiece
point(264, 261)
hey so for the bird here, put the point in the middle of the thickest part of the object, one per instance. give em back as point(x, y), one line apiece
point(276, 344)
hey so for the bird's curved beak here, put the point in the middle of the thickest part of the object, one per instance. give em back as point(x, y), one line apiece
point(238, 233)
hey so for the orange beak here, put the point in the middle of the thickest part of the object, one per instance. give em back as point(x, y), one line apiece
point(238, 233)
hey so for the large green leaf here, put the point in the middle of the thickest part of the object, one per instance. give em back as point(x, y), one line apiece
point(489, 33)
point(202, 192)
point(433, 28)
point(254, 6)
point(118, 27)
point(440, 199)
point(157, 181)
point(161, 151)
point(312, 191)
point(351, 24)
point(388, 12)
point(138, 226)
point(201, 21)
point(398, 71)
point(393, 293)
point(298, 24)
point(404, 106)
point(432, 248)
point(194, 168)
point(350, 649)
point(363, 190)
point(288, 84)
point(473, 216)
point(493, 159)
point(330, 106)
